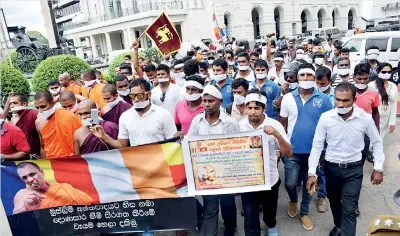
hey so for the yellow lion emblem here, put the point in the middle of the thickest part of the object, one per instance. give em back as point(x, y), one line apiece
point(164, 34)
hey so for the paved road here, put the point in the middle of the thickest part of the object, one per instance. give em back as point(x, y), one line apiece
point(374, 200)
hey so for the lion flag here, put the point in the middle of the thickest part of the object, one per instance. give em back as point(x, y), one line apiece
point(164, 35)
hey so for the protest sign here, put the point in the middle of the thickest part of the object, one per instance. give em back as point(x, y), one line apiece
point(128, 190)
point(222, 164)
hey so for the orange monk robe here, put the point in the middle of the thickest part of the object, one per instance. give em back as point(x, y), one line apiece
point(95, 94)
point(64, 195)
point(58, 134)
point(76, 89)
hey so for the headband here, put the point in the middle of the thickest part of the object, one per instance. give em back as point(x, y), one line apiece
point(253, 97)
point(179, 66)
point(278, 59)
point(213, 91)
point(306, 71)
point(373, 51)
point(300, 50)
point(194, 84)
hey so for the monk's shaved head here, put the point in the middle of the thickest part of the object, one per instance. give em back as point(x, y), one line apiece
point(32, 175)
point(64, 76)
point(67, 96)
point(87, 104)
point(46, 95)
point(24, 164)
point(109, 88)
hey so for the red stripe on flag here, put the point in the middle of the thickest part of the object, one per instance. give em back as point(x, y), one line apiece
point(398, 102)
point(75, 171)
point(214, 18)
point(178, 175)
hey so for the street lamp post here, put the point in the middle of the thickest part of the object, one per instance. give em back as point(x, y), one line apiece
point(53, 22)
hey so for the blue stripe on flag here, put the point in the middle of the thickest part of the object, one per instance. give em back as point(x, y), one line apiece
point(10, 185)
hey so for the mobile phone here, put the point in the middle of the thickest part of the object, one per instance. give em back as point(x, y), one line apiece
point(94, 113)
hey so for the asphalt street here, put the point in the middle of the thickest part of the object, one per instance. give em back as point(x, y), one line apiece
point(375, 200)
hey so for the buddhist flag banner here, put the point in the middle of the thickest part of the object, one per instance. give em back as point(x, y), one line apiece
point(217, 29)
point(128, 190)
point(223, 164)
point(164, 35)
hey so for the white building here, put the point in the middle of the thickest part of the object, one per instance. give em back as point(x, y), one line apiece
point(373, 11)
point(108, 25)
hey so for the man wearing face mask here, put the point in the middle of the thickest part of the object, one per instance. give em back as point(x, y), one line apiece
point(93, 88)
point(178, 75)
point(343, 72)
point(115, 104)
point(167, 61)
point(343, 129)
point(55, 90)
point(244, 69)
point(371, 57)
point(152, 123)
point(24, 118)
point(56, 127)
point(84, 140)
point(299, 54)
point(263, 83)
point(300, 112)
point(290, 84)
point(151, 75)
point(122, 85)
point(230, 58)
point(319, 60)
point(68, 101)
point(237, 109)
point(166, 94)
point(324, 82)
point(65, 80)
point(204, 67)
point(220, 76)
point(276, 73)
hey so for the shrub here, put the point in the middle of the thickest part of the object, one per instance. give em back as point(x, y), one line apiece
point(153, 53)
point(52, 67)
point(118, 60)
point(6, 60)
point(12, 79)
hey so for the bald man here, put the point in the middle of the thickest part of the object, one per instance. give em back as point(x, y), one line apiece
point(68, 101)
point(84, 140)
point(115, 104)
point(65, 81)
point(93, 88)
point(41, 195)
point(56, 127)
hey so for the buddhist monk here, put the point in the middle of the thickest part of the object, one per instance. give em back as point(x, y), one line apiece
point(56, 127)
point(24, 118)
point(65, 81)
point(41, 195)
point(93, 88)
point(68, 101)
point(115, 104)
point(122, 84)
point(84, 140)
point(55, 90)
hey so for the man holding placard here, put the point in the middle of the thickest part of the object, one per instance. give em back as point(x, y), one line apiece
point(256, 104)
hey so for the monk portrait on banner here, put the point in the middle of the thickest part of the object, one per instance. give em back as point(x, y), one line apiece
point(39, 194)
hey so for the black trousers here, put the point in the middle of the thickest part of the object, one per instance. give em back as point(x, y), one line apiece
point(269, 202)
point(364, 152)
point(211, 212)
point(343, 185)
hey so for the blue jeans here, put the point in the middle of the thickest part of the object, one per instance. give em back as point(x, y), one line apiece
point(297, 167)
point(321, 182)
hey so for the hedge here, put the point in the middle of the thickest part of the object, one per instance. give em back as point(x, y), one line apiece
point(12, 79)
point(52, 67)
point(6, 60)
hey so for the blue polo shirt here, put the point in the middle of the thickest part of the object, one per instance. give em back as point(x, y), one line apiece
point(273, 92)
point(307, 119)
point(227, 92)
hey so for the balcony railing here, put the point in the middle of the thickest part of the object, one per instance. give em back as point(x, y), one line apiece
point(150, 6)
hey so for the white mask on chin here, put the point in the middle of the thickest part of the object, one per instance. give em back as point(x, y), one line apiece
point(361, 86)
point(112, 104)
point(293, 85)
point(344, 110)
point(46, 114)
point(323, 89)
point(238, 99)
point(124, 93)
point(343, 72)
point(243, 68)
point(163, 80)
point(218, 78)
point(89, 83)
point(18, 108)
point(261, 76)
point(307, 84)
point(141, 105)
point(55, 92)
point(192, 97)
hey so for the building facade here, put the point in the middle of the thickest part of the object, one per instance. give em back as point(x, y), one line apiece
point(99, 27)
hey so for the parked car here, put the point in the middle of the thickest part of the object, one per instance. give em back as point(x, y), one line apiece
point(328, 32)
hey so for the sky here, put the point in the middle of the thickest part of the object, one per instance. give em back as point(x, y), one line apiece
point(26, 13)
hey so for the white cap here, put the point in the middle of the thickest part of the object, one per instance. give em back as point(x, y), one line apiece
point(213, 91)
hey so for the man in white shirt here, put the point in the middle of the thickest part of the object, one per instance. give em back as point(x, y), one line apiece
point(166, 94)
point(256, 104)
point(244, 69)
point(276, 73)
point(237, 109)
point(343, 129)
point(215, 121)
point(142, 124)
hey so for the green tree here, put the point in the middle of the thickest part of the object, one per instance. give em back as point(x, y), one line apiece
point(52, 67)
point(11, 79)
point(39, 36)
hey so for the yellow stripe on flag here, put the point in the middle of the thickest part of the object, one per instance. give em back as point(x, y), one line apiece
point(45, 165)
point(172, 153)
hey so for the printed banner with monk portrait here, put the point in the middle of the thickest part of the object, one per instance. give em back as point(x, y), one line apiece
point(164, 35)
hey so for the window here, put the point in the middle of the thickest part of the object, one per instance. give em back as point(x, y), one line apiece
point(335, 31)
point(395, 44)
point(354, 45)
point(95, 8)
point(381, 43)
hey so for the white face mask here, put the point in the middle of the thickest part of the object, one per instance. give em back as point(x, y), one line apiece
point(124, 93)
point(231, 63)
point(372, 57)
point(210, 62)
point(178, 76)
point(299, 56)
point(55, 92)
point(130, 77)
point(73, 110)
point(384, 76)
point(218, 78)
point(112, 104)
point(18, 108)
point(344, 110)
point(306, 84)
point(323, 89)
point(243, 68)
point(192, 97)
point(361, 86)
point(238, 99)
point(343, 72)
point(319, 61)
point(261, 76)
point(89, 83)
point(87, 122)
point(46, 114)
point(141, 105)
point(163, 80)
point(293, 85)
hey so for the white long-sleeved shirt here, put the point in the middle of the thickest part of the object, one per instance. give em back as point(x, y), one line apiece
point(345, 139)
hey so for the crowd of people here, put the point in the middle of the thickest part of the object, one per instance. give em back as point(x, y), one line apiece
point(324, 117)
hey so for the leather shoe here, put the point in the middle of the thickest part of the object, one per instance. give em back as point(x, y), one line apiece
point(335, 232)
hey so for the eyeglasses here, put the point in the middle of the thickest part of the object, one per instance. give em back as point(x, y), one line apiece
point(386, 72)
point(139, 96)
point(291, 77)
point(162, 98)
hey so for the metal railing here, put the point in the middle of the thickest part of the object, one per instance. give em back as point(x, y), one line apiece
point(150, 6)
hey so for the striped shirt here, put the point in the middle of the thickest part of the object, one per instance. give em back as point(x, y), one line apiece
point(337, 80)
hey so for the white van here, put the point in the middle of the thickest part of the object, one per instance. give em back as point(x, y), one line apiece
point(387, 42)
point(332, 32)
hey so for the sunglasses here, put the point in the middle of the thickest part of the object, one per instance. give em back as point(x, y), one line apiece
point(386, 72)
point(162, 98)
point(139, 96)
